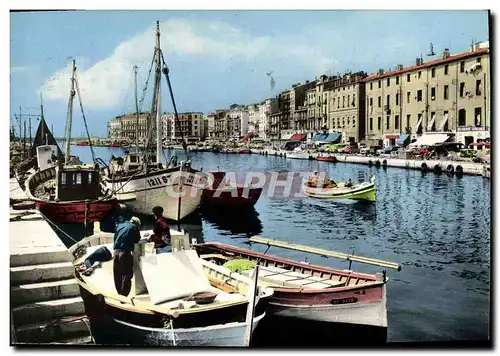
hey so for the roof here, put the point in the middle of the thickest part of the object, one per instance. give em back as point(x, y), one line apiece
point(428, 64)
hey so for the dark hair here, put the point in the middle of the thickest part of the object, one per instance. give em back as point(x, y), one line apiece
point(158, 210)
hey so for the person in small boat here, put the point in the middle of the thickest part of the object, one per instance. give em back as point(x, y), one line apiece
point(313, 180)
point(126, 235)
point(348, 183)
point(161, 232)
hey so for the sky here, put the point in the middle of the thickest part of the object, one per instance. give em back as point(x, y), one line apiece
point(216, 58)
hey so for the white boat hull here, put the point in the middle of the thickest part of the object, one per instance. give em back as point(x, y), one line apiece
point(304, 156)
point(163, 189)
point(222, 335)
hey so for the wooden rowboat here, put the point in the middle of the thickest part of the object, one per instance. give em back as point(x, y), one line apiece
point(361, 191)
point(314, 293)
point(161, 312)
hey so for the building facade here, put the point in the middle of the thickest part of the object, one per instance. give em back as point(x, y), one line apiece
point(448, 95)
point(189, 125)
point(124, 127)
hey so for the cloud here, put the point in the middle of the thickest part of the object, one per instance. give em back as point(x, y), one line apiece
point(105, 83)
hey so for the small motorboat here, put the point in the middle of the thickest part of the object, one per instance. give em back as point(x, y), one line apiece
point(239, 194)
point(342, 190)
point(299, 155)
point(245, 150)
point(326, 158)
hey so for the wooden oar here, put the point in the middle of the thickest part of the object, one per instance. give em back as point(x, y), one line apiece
point(322, 252)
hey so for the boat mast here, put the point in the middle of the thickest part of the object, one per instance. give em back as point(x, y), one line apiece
point(42, 119)
point(136, 111)
point(157, 96)
point(70, 113)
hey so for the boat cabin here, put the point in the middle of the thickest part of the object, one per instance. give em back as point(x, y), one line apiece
point(77, 183)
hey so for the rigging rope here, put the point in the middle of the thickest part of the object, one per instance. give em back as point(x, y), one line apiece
point(84, 119)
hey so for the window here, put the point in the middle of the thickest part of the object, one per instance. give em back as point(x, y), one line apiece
point(338, 103)
point(478, 87)
point(348, 121)
point(63, 178)
point(462, 89)
point(371, 101)
point(446, 69)
point(89, 177)
point(462, 116)
point(477, 117)
point(446, 92)
point(397, 80)
point(387, 122)
point(379, 123)
point(433, 72)
point(408, 117)
point(408, 78)
point(348, 100)
point(419, 95)
point(396, 122)
point(371, 86)
point(388, 102)
point(433, 93)
point(333, 102)
point(478, 60)
point(353, 122)
point(353, 99)
point(379, 84)
point(397, 99)
point(419, 74)
point(371, 123)
point(379, 101)
point(78, 178)
point(408, 94)
point(388, 82)
point(343, 101)
point(462, 66)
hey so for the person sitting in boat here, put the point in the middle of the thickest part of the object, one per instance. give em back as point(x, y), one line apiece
point(313, 180)
point(348, 183)
point(161, 232)
point(126, 235)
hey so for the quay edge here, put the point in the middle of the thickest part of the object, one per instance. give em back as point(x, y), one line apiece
point(431, 165)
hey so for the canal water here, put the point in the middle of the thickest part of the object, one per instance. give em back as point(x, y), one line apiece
point(436, 226)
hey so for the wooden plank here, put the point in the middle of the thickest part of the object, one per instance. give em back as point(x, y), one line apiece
point(327, 253)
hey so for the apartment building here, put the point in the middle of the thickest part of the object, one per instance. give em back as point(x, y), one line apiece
point(343, 106)
point(124, 127)
point(253, 118)
point(189, 125)
point(209, 124)
point(449, 95)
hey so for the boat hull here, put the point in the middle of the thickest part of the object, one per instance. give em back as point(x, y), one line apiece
point(365, 192)
point(114, 331)
point(304, 156)
point(326, 159)
point(74, 212)
point(231, 196)
point(177, 200)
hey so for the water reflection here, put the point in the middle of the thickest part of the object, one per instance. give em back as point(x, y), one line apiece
point(242, 221)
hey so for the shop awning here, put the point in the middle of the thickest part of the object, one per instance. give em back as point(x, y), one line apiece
point(402, 140)
point(430, 140)
point(286, 137)
point(418, 124)
point(429, 125)
point(327, 137)
point(443, 122)
point(391, 137)
point(298, 137)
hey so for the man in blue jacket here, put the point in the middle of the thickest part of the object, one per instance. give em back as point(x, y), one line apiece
point(126, 235)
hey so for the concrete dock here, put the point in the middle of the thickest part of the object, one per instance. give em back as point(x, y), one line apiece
point(45, 301)
point(427, 165)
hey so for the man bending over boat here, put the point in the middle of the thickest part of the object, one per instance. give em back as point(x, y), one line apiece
point(126, 235)
point(161, 232)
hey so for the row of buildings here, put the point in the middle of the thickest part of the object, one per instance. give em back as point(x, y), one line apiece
point(449, 95)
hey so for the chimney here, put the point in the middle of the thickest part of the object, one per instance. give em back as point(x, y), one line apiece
point(418, 61)
point(445, 54)
point(399, 67)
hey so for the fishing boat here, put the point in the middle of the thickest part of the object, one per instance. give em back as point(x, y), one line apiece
point(141, 180)
point(343, 190)
point(64, 192)
point(315, 293)
point(202, 304)
point(224, 194)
